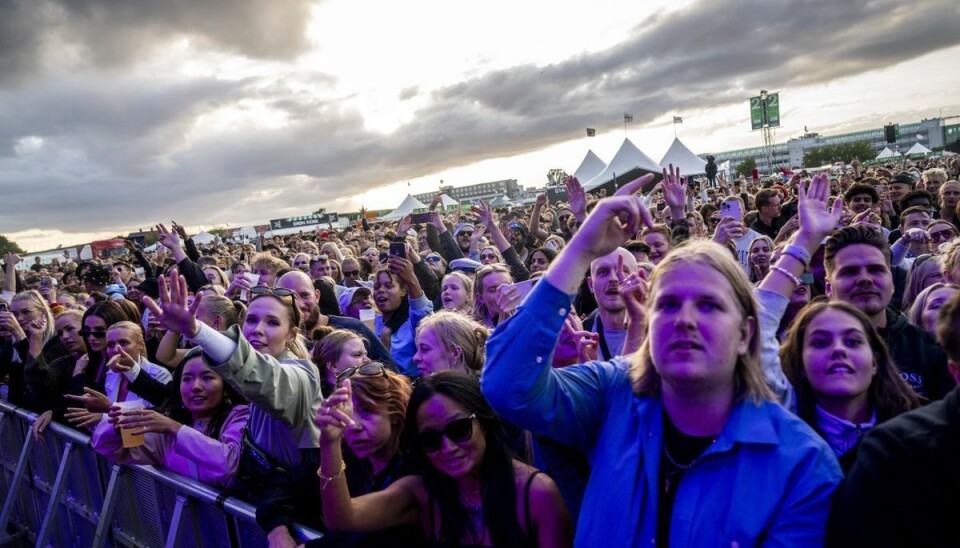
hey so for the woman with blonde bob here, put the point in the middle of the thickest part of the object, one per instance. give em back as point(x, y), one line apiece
point(448, 340)
point(456, 293)
point(686, 446)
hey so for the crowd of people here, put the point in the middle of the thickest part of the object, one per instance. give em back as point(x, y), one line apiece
point(766, 361)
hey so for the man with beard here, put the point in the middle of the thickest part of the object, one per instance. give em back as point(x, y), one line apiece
point(308, 297)
point(857, 262)
point(609, 320)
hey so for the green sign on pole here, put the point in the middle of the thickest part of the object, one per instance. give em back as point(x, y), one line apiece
point(756, 112)
point(773, 110)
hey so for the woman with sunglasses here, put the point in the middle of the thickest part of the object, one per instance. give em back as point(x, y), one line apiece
point(198, 435)
point(686, 444)
point(91, 370)
point(28, 325)
point(266, 360)
point(469, 492)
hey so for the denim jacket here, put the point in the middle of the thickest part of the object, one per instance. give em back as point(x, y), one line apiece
point(768, 478)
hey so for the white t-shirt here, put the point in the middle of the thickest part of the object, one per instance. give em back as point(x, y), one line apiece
point(743, 248)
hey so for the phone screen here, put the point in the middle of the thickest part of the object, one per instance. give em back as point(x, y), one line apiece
point(420, 218)
point(398, 249)
point(731, 208)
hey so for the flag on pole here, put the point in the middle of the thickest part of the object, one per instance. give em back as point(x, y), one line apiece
point(591, 132)
point(627, 118)
point(677, 120)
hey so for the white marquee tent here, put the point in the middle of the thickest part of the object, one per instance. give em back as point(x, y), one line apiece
point(448, 202)
point(590, 167)
point(684, 159)
point(628, 158)
point(887, 153)
point(917, 148)
point(407, 206)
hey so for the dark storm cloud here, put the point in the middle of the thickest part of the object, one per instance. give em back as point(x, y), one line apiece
point(126, 148)
point(111, 33)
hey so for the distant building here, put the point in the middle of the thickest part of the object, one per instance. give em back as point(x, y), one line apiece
point(472, 193)
point(932, 135)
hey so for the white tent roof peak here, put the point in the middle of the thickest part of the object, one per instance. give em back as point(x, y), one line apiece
point(684, 159)
point(627, 158)
point(446, 201)
point(406, 207)
point(887, 153)
point(590, 167)
point(918, 148)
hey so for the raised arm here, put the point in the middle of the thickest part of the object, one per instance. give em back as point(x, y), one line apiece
point(396, 505)
point(517, 379)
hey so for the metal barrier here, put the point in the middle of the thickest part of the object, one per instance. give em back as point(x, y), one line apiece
point(61, 493)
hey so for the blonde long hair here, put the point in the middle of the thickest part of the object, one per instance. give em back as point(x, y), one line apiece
point(748, 375)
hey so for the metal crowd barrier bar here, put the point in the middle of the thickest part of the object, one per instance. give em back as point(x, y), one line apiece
point(61, 493)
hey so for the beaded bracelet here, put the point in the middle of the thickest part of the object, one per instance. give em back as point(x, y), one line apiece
point(798, 253)
point(325, 480)
point(796, 281)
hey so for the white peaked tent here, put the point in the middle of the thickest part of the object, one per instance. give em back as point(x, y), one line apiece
point(499, 201)
point(590, 167)
point(684, 159)
point(448, 202)
point(887, 153)
point(918, 149)
point(203, 238)
point(628, 158)
point(406, 207)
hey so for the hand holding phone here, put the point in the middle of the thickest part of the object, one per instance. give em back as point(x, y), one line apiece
point(398, 249)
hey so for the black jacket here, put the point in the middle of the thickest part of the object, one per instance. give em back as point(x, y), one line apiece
point(919, 358)
point(904, 489)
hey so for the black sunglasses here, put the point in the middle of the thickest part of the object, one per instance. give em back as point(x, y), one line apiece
point(370, 369)
point(96, 334)
point(433, 259)
point(275, 291)
point(351, 273)
point(457, 431)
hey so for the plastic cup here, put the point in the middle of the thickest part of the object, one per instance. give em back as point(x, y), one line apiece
point(369, 318)
point(130, 439)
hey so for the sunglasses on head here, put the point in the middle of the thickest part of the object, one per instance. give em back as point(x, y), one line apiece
point(457, 431)
point(275, 291)
point(370, 369)
point(96, 334)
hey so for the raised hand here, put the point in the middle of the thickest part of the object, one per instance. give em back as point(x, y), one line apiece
point(612, 222)
point(182, 232)
point(576, 197)
point(78, 416)
point(817, 219)
point(172, 312)
point(167, 238)
point(335, 414)
point(674, 191)
point(483, 213)
point(404, 225)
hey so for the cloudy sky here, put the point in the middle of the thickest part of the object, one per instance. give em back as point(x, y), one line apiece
point(116, 115)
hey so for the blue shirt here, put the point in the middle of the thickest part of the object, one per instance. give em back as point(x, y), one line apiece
point(767, 479)
point(403, 344)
